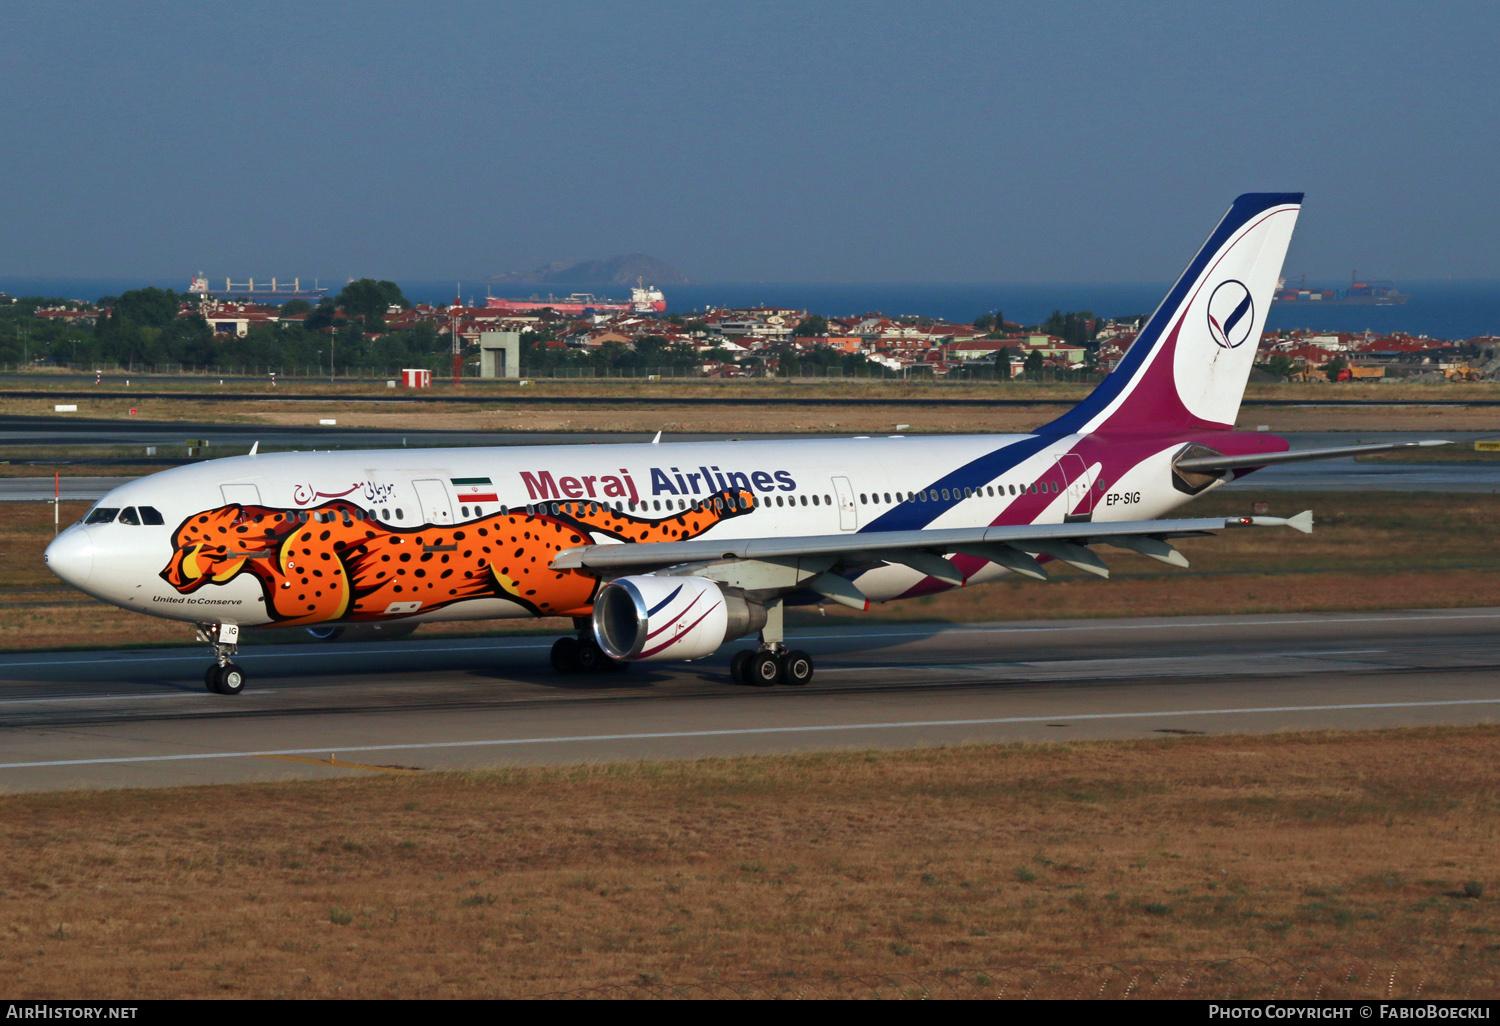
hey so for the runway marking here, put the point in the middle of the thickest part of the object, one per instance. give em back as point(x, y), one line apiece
point(734, 731)
point(119, 698)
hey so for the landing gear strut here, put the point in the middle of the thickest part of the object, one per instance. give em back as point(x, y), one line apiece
point(772, 663)
point(582, 654)
point(223, 677)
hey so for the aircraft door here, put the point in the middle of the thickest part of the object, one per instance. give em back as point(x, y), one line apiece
point(240, 494)
point(433, 502)
point(1080, 490)
point(848, 512)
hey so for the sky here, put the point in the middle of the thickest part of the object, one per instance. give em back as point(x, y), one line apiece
point(747, 141)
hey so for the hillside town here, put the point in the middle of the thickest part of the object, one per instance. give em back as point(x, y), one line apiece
point(778, 341)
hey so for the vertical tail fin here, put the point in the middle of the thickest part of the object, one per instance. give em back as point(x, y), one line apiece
point(1189, 365)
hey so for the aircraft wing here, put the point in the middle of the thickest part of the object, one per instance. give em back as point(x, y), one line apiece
point(1208, 464)
point(1014, 547)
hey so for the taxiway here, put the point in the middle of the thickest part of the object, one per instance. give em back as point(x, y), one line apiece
point(142, 718)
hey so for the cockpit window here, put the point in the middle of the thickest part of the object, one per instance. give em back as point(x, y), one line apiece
point(103, 515)
point(128, 515)
point(151, 517)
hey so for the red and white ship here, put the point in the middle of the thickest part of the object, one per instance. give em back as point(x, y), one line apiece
point(643, 299)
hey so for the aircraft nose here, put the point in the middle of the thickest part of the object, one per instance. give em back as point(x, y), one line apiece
point(71, 556)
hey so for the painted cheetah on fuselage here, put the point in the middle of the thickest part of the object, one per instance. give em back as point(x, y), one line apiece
point(336, 562)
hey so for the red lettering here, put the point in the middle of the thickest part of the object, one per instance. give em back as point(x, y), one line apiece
point(570, 486)
point(542, 486)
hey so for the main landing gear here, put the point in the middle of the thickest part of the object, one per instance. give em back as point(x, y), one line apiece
point(222, 677)
point(582, 654)
point(772, 663)
point(767, 667)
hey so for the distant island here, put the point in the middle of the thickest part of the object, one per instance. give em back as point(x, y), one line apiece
point(617, 270)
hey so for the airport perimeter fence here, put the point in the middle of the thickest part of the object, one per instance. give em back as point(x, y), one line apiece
point(471, 373)
point(1325, 977)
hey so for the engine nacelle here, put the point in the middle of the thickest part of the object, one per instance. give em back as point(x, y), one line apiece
point(643, 619)
point(361, 631)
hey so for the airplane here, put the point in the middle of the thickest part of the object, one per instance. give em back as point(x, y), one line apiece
point(670, 551)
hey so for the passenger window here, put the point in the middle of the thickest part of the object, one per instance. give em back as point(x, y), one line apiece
point(862, 499)
point(103, 515)
point(815, 500)
point(828, 500)
point(398, 512)
point(128, 516)
point(888, 496)
point(151, 516)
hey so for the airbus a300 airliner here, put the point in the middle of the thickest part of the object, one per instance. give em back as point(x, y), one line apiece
point(667, 552)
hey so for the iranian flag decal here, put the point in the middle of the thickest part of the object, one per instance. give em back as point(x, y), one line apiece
point(474, 489)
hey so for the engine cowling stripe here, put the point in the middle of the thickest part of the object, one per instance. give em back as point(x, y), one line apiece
point(681, 613)
point(673, 640)
point(663, 603)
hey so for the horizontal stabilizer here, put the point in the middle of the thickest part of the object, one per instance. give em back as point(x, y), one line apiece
point(1208, 464)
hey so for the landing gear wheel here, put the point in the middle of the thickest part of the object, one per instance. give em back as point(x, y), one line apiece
point(739, 666)
point(796, 668)
point(228, 679)
point(211, 677)
point(589, 656)
point(764, 670)
point(565, 655)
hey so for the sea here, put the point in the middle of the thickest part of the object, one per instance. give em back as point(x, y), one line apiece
point(1440, 309)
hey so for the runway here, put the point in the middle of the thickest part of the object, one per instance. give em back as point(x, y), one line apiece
point(142, 718)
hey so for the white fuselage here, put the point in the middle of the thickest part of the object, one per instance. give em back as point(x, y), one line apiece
point(801, 487)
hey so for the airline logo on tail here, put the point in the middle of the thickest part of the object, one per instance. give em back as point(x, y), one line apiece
point(1231, 314)
point(1187, 369)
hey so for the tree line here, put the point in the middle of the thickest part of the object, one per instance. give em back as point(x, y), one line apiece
point(143, 329)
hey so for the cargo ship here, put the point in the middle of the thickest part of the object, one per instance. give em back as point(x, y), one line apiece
point(1359, 293)
point(263, 292)
point(643, 299)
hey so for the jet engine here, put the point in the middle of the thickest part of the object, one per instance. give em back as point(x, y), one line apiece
point(643, 619)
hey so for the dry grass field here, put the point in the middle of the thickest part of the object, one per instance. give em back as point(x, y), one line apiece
point(1370, 550)
point(796, 872)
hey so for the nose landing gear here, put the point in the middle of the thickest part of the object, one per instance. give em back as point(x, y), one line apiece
point(223, 677)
